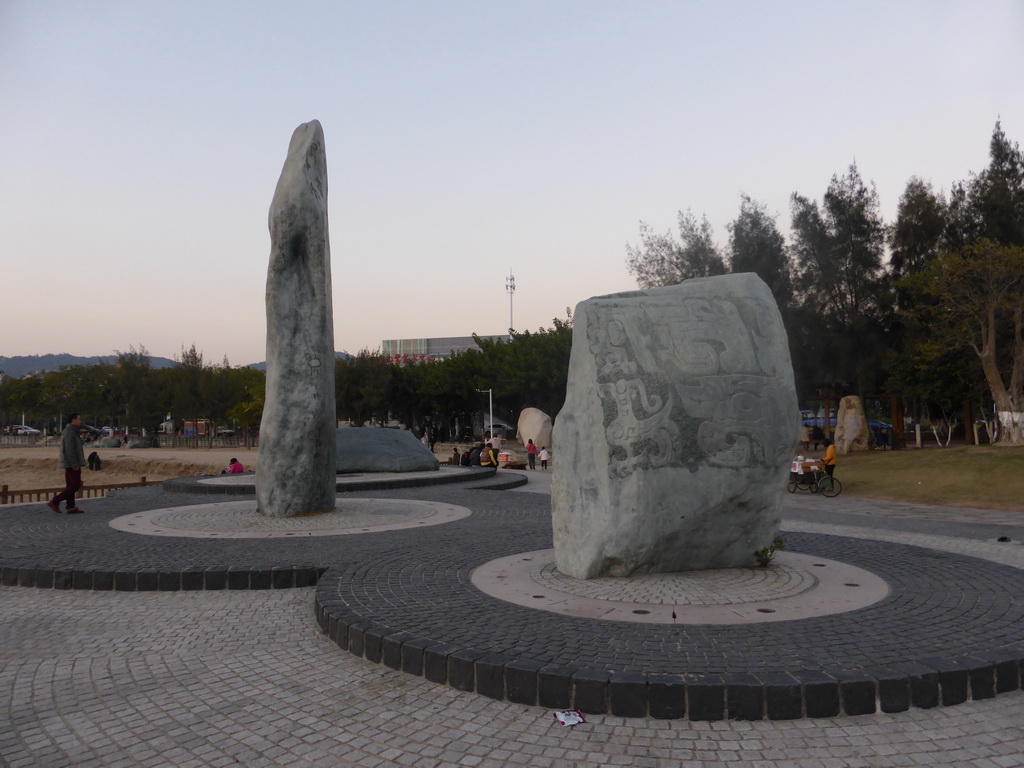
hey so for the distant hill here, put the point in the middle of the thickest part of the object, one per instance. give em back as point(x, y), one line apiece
point(21, 365)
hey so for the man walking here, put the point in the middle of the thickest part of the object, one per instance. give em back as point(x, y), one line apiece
point(72, 459)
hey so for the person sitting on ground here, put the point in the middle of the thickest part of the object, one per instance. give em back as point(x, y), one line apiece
point(94, 462)
point(474, 455)
point(488, 456)
point(235, 467)
point(464, 459)
point(454, 458)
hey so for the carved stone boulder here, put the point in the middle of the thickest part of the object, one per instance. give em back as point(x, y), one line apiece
point(678, 430)
point(851, 426)
point(534, 425)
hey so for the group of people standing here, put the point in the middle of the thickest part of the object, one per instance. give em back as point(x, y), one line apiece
point(532, 454)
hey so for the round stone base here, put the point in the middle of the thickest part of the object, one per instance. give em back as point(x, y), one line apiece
point(794, 586)
point(241, 519)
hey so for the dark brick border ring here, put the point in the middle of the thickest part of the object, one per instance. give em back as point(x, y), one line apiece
point(936, 640)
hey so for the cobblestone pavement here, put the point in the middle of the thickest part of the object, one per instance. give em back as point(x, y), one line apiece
point(244, 678)
point(229, 678)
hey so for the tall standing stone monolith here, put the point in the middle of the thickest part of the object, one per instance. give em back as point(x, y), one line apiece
point(296, 473)
point(677, 432)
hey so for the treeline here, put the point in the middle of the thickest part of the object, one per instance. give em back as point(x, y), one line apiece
point(928, 308)
point(130, 394)
point(446, 397)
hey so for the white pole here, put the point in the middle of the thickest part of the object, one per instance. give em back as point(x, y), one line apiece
point(510, 286)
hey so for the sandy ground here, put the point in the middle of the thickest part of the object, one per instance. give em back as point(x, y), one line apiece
point(24, 468)
point(31, 468)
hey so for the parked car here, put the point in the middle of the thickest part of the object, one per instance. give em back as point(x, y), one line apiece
point(90, 430)
point(22, 429)
point(225, 432)
point(499, 429)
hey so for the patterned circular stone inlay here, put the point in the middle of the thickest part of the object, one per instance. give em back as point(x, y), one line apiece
point(794, 586)
point(731, 586)
point(241, 519)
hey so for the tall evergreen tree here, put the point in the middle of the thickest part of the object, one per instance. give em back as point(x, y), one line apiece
point(662, 260)
point(756, 245)
point(839, 248)
point(998, 192)
point(138, 389)
point(990, 204)
point(916, 237)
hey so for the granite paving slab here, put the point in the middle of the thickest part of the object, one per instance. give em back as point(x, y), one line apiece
point(948, 631)
point(111, 679)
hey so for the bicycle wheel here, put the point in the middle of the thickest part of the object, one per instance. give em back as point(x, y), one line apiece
point(830, 486)
point(791, 486)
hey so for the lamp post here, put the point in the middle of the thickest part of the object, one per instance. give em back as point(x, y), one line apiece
point(490, 409)
point(510, 286)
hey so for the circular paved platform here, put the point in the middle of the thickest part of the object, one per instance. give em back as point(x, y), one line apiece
point(245, 483)
point(948, 631)
point(934, 640)
point(242, 520)
point(794, 587)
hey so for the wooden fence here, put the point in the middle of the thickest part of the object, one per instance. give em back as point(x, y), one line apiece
point(7, 496)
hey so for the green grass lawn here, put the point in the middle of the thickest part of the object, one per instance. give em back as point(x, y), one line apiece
point(966, 476)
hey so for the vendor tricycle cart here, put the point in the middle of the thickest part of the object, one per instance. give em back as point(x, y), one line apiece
point(810, 475)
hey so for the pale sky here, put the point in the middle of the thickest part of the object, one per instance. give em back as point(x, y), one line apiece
point(140, 143)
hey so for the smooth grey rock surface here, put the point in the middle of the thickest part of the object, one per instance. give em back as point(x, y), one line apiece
point(534, 425)
point(368, 449)
point(679, 426)
point(296, 453)
point(851, 426)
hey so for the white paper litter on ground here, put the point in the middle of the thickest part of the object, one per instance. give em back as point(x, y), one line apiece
point(570, 717)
